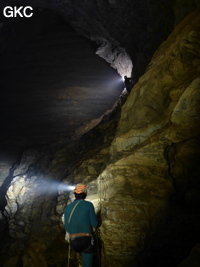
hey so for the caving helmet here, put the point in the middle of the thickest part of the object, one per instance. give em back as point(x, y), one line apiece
point(80, 189)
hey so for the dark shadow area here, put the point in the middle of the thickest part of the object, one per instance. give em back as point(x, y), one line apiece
point(4, 188)
point(172, 241)
point(52, 82)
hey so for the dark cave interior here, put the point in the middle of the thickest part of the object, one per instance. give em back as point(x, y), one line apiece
point(52, 82)
point(60, 101)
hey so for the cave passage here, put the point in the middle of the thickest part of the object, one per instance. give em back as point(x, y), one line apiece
point(52, 81)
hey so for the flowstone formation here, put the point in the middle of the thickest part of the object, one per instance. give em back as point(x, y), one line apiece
point(141, 169)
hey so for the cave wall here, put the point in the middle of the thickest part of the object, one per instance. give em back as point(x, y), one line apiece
point(158, 137)
point(142, 172)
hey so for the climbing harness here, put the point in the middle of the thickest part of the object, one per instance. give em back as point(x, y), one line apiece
point(80, 234)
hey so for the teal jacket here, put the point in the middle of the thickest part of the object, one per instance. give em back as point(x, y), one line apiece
point(83, 218)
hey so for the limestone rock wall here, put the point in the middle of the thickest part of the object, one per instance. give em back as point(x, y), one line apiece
point(156, 148)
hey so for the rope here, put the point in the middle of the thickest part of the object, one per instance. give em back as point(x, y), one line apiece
point(68, 255)
point(73, 211)
point(97, 231)
point(98, 251)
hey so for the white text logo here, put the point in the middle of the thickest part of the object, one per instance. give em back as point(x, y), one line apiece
point(18, 11)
